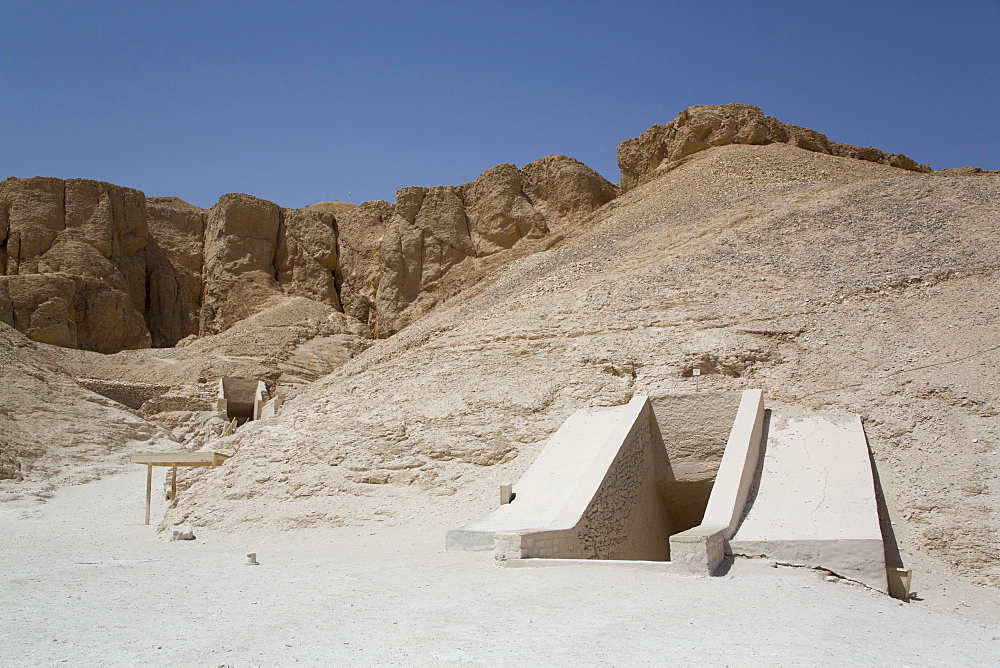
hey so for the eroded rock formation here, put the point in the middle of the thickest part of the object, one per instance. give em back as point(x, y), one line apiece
point(96, 266)
point(174, 259)
point(393, 258)
point(702, 127)
point(73, 255)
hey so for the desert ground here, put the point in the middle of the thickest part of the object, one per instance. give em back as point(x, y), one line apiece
point(86, 582)
point(425, 350)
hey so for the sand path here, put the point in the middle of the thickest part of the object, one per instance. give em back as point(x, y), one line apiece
point(85, 582)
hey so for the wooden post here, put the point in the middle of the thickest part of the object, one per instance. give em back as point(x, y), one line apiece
point(173, 488)
point(149, 488)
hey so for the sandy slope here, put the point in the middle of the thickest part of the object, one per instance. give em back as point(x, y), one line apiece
point(826, 281)
point(85, 582)
point(53, 431)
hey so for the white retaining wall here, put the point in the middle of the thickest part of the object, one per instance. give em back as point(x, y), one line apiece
point(815, 504)
point(590, 494)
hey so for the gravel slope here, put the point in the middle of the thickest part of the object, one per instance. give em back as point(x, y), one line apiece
point(826, 281)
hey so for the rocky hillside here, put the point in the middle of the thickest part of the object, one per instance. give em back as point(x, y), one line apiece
point(827, 281)
point(699, 128)
point(761, 253)
point(99, 267)
point(54, 431)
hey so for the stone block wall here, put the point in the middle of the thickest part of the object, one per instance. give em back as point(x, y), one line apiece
point(133, 395)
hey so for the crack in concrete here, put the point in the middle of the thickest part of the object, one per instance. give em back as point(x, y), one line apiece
point(826, 478)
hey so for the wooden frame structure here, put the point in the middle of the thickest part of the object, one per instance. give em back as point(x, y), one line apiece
point(173, 459)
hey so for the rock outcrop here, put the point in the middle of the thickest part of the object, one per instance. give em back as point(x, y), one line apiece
point(702, 127)
point(255, 250)
point(74, 262)
point(394, 259)
point(174, 259)
point(241, 238)
point(96, 266)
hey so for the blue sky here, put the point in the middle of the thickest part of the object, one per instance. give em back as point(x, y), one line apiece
point(300, 102)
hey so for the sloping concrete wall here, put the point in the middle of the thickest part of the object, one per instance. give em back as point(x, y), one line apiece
point(702, 548)
point(815, 502)
point(591, 494)
point(738, 467)
point(694, 429)
point(270, 409)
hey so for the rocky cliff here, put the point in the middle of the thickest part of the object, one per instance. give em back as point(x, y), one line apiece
point(397, 260)
point(255, 250)
point(174, 259)
point(100, 267)
point(702, 127)
point(73, 255)
point(96, 266)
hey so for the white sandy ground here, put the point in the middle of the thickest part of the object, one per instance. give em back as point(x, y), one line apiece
point(85, 582)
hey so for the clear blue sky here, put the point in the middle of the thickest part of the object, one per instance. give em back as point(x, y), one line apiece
point(299, 102)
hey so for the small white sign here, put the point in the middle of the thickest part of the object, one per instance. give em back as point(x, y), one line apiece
point(695, 372)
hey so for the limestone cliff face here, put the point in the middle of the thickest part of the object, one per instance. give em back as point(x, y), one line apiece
point(74, 262)
point(100, 267)
point(306, 256)
point(702, 127)
point(96, 266)
point(174, 259)
point(254, 250)
point(398, 261)
point(241, 237)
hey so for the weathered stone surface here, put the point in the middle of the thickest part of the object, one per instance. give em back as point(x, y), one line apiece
point(441, 214)
point(498, 211)
point(565, 190)
point(335, 207)
point(702, 127)
point(52, 428)
point(74, 259)
point(254, 250)
point(360, 241)
point(112, 219)
point(72, 311)
point(306, 255)
point(186, 271)
point(174, 259)
point(39, 306)
point(33, 215)
point(398, 261)
point(241, 238)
